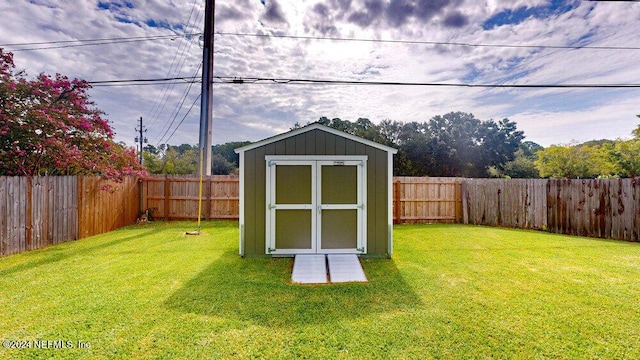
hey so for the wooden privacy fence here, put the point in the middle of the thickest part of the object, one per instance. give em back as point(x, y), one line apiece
point(515, 203)
point(41, 211)
point(416, 199)
point(592, 207)
point(177, 197)
point(422, 199)
point(597, 208)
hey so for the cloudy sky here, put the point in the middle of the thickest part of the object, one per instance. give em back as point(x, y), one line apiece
point(531, 42)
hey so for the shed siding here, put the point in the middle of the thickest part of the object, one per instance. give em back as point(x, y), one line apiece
point(315, 142)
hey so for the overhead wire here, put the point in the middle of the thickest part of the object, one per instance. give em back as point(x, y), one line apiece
point(155, 81)
point(117, 40)
point(424, 42)
point(176, 111)
point(184, 117)
point(300, 81)
point(89, 42)
point(174, 114)
point(178, 69)
point(161, 101)
point(283, 81)
point(170, 81)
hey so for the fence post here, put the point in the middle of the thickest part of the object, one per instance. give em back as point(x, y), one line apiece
point(141, 205)
point(81, 210)
point(167, 194)
point(465, 202)
point(397, 213)
point(28, 213)
point(457, 188)
point(208, 194)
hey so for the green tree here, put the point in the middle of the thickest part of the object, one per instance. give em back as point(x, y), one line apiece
point(625, 155)
point(151, 149)
point(391, 133)
point(362, 127)
point(184, 159)
point(153, 162)
point(498, 144)
point(221, 166)
point(572, 162)
point(176, 160)
point(462, 145)
point(530, 149)
point(227, 152)
point(523, 165)
point(454, 144)
point(415, 150)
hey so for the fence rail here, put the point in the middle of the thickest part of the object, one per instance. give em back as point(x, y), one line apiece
point(41, 211)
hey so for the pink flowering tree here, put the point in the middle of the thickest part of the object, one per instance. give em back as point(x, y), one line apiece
point(48, 126)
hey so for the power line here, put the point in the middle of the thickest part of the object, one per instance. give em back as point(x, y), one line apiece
point(161, 101)
point(145, 83)
point(181, 121)
point(258, 80)
point(421, 42)
point(117, 40)
point(288, 81)
point(177, 108)
point(91, 42)
point(184, 79)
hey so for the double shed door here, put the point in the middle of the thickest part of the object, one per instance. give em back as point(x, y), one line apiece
point(316, 206)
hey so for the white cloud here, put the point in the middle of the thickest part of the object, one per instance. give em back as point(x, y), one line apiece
point(256, 111)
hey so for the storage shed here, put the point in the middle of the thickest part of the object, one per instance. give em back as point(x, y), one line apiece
point(316, 190)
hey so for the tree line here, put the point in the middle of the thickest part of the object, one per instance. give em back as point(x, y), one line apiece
point(184, 159)
point(458, 144)
point(455, 144)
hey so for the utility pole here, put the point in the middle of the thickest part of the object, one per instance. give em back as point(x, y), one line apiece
point(141, 139)
point(206, 101)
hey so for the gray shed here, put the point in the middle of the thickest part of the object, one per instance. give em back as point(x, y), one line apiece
point(316, 190)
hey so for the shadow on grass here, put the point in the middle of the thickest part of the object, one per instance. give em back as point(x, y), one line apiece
point(55, 253)
point(259, 291)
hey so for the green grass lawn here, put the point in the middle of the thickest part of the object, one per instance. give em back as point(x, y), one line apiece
point(450, 291)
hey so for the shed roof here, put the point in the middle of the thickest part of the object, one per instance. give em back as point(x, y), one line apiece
point(311, 127)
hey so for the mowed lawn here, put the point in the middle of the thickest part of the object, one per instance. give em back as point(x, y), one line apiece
point(450, 291)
